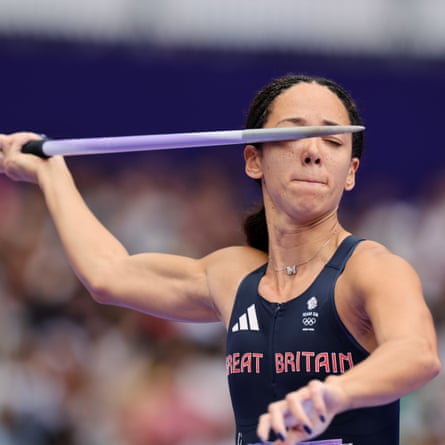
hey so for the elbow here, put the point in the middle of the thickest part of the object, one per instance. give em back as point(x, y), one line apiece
point(435, 366)
point(107, 281)
point(431, 365)
point(425, 365)
point(99, 289)
point(99, 295)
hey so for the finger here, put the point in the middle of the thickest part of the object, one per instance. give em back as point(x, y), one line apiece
point(277, 412)
point(316, 389)
point(2, 155)
point(263, 427)
point(296, 435)
point(309, 411)
point(12, 143)
point(3, 138)
point(16, 165)
point(20, 139)
point(300, 407)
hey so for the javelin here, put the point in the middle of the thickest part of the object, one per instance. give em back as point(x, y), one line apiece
point(87, 146)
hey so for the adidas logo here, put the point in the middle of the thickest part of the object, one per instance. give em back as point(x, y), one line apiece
point(248, 321)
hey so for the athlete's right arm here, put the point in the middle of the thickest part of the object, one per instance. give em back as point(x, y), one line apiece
point(167, 286)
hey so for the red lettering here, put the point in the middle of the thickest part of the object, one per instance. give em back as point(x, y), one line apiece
point(297, 361)
point(327, 362)
point(322, 361)
point(345, 358)
point(257, 356)
point(235, 363)
point(289, 361)
point(308, 356)
point(334, 362)
point(246, 362)
point(229, 364)
point(279, 363)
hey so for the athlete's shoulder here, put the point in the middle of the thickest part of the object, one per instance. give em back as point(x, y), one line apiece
point(244, 258)
point(373, 251)
point(372, 260)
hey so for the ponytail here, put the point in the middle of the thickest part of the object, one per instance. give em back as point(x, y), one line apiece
point(255, 228)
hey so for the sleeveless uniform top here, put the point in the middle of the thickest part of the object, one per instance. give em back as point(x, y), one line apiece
point(276, 348)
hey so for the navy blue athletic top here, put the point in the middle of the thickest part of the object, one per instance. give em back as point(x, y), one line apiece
point(276, 348)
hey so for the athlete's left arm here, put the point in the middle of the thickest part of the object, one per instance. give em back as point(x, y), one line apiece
point(405, 357)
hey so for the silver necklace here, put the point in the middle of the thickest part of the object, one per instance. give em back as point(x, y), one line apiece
point(292, 268)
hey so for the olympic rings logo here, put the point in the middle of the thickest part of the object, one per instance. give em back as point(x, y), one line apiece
point(309, 321)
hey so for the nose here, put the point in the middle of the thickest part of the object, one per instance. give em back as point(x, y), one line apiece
point(310, 159)
point(310, 153)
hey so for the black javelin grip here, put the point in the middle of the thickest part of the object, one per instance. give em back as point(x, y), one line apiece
point(35, 148)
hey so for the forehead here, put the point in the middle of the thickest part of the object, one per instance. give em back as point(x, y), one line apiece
point(309, 101)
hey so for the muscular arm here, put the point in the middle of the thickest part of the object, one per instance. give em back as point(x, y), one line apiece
point(167, 286)
point(403, 354)
point(163, 285)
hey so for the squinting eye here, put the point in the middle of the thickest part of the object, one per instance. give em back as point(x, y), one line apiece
point(335, 142)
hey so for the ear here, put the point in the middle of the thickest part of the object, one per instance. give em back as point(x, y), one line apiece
point(252, 158)
point(350, 178)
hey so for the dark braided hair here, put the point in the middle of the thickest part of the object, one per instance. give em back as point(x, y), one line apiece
point(255, 226)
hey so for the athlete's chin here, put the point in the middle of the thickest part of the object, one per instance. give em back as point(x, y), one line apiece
point(309, 201)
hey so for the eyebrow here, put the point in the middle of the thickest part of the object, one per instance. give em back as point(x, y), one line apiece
point(302, 121)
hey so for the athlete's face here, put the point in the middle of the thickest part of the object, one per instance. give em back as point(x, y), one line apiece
point(305, 177)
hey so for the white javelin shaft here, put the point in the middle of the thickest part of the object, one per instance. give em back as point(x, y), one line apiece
point(84, 146)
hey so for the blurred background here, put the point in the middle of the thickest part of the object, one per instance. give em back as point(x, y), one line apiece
point(73, 372)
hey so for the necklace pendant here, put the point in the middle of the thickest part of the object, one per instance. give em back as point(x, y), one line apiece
point(291, 270)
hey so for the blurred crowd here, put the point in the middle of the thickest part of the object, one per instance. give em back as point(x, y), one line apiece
point(73, 372)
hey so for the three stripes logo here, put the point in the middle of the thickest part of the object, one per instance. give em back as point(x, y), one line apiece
point(247, 321)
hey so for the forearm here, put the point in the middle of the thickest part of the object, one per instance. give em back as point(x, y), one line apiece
point(393, 370)
point(88, 244)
